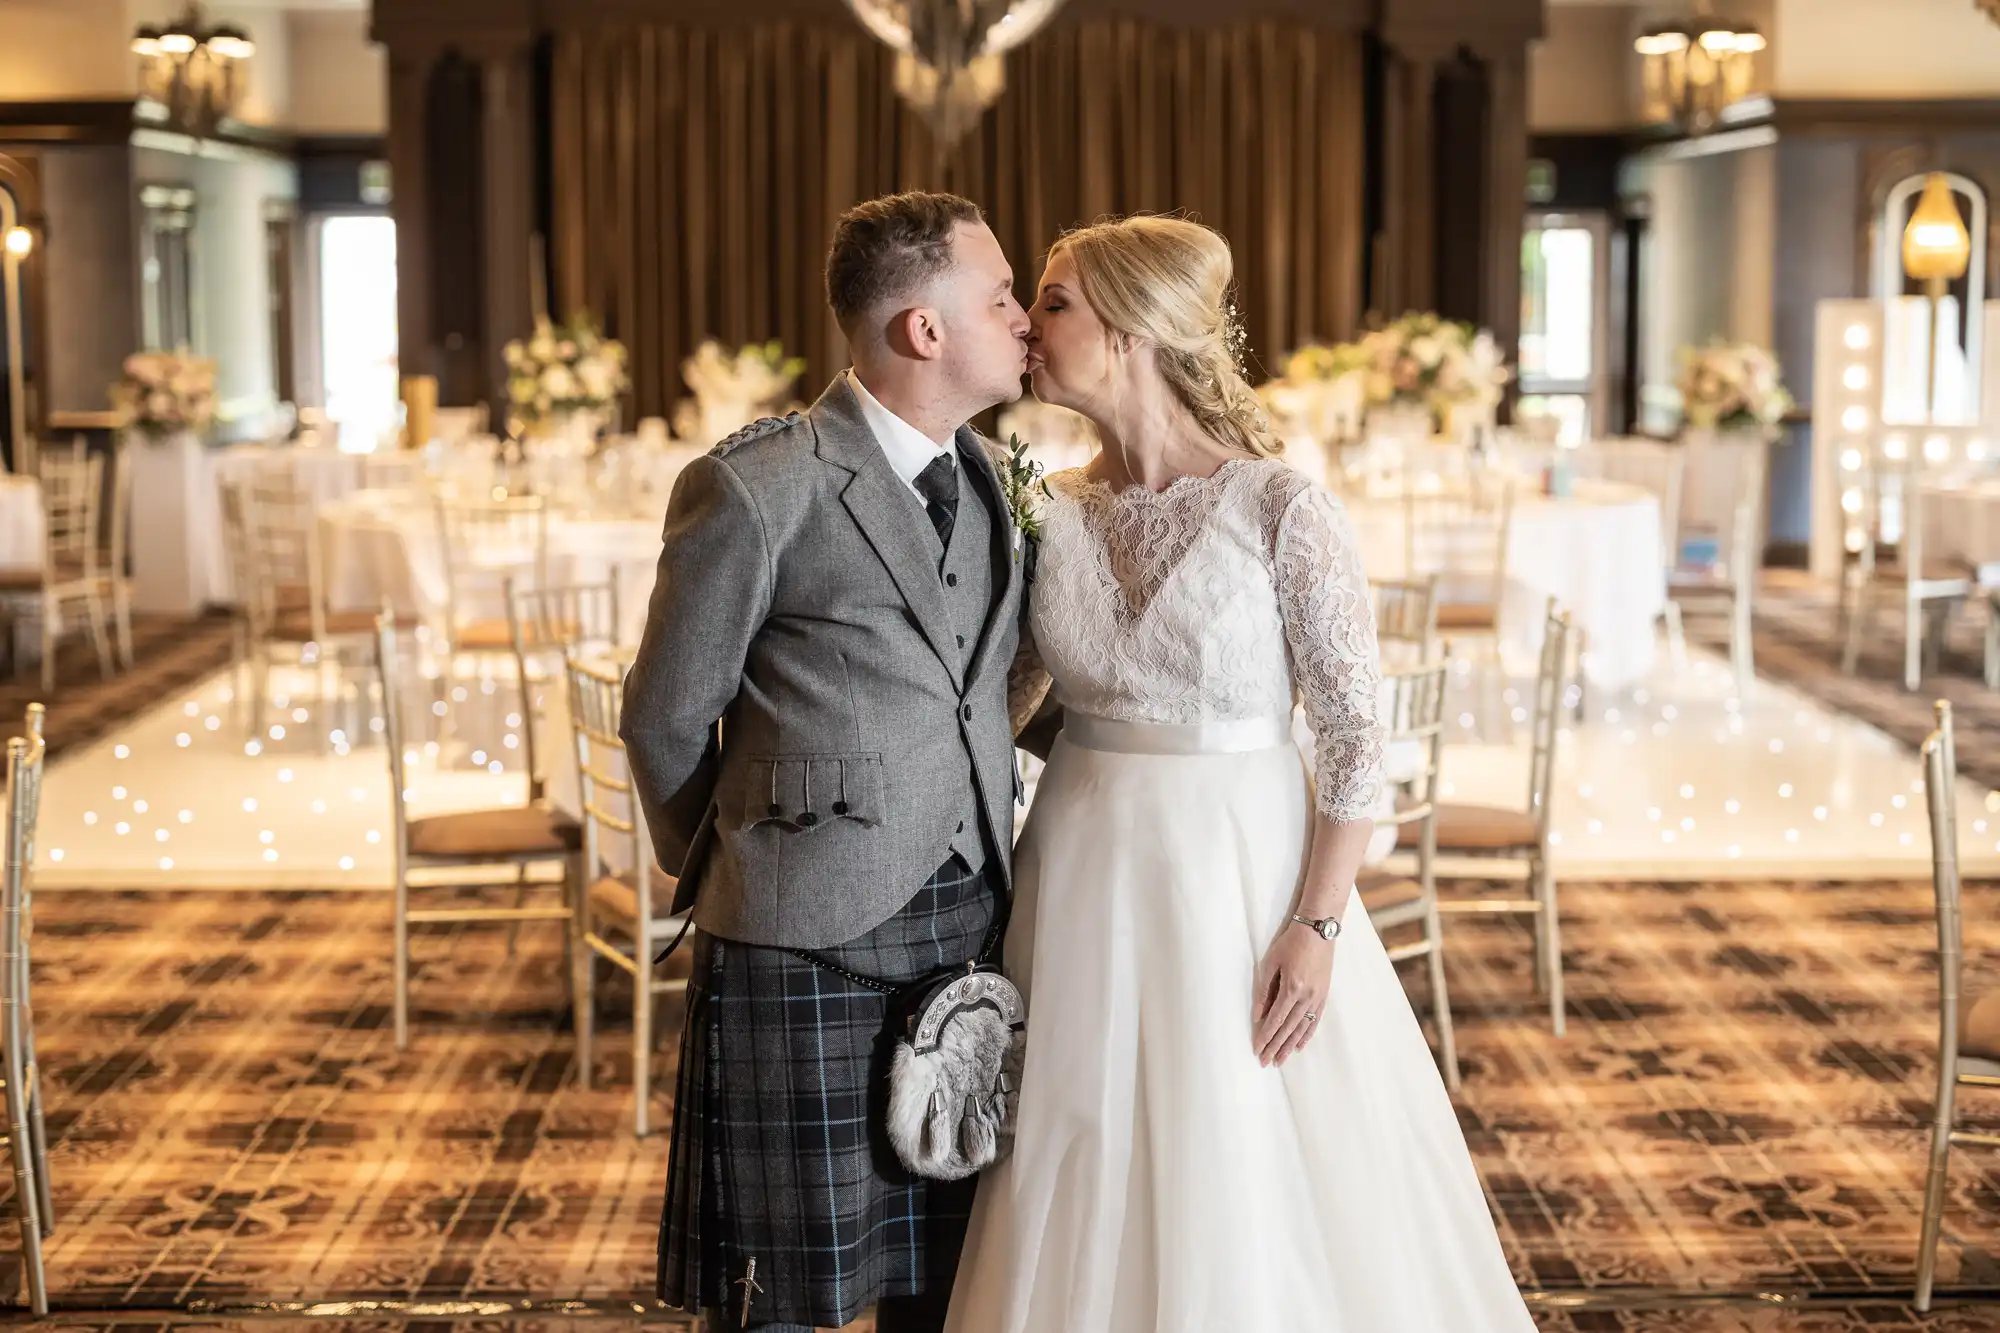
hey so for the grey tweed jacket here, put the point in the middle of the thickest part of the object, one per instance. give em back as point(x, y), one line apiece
point(799, 713)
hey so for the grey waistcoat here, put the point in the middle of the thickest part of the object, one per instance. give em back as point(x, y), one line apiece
point(806, 731)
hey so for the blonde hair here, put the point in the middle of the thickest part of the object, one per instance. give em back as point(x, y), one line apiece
point(1166, 280)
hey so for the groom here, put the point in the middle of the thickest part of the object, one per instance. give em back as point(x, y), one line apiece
point(817, 723)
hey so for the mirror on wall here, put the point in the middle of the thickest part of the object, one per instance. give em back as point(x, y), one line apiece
point(166, 267)
point(1953, 395)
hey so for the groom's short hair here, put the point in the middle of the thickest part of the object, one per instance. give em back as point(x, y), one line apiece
point(887, 248)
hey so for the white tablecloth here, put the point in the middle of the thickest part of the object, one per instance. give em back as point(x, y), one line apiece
point(1963, 523)
point(1597, 553)
point(20, 522)
point(179, 560)
point(321, 472)
point(382, 547)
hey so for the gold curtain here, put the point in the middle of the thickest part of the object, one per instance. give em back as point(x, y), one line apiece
point(697, 173)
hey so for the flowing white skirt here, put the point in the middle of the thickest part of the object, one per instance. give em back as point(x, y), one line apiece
point(1163, 1181)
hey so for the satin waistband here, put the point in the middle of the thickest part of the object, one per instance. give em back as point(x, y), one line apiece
point(1241, 736)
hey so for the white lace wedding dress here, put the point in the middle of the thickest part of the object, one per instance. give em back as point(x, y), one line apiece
point(1162, 1181)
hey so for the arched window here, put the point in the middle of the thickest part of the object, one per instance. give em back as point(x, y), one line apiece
point(1959, 350)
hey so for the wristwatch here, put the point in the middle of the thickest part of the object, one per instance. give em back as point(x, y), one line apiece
point(1327, 927)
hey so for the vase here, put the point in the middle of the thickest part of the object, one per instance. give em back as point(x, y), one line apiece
point(178, 561)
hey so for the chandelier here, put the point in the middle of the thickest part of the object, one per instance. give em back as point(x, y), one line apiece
point(948, 53)
point(193, 70)
point(1697, 68)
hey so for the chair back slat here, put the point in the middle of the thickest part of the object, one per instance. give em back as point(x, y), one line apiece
point(1461, 535)
point(488, 542)
point(1414, 713)
point(1940, 795)
point(1406, 612)
point(388, 672)
point(545, 625)
point(1551, 689)
point(71, 493)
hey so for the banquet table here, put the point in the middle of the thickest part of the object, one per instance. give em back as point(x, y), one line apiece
point(1962, 522)
point(1597, 552)
point(324, 474)
point(382, 547)
point(20, 522)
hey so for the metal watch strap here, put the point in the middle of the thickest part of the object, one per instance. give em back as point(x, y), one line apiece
point(1319, 926)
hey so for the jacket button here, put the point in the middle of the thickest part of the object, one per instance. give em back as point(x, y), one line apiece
point(840, 807)
point(951, 580)
point(961, 641)
point(967, 713)
point(775, 810)
point(961, 826)
point(808, 819)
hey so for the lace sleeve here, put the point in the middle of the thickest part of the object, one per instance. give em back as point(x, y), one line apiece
point(1027, 683)
point(1330, 628)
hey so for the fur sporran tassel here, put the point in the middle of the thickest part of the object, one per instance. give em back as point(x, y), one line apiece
point(951, 1105)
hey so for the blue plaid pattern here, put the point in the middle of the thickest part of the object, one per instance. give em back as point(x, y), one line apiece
point(780, 1151)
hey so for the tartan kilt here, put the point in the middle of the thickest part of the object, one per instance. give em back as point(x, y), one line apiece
point(780, 1147)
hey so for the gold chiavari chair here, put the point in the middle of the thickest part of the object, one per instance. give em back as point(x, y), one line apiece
point(1661, 469)
point(72, 486)
point(627, 910)
point(1395, 900)
point(1968, 1029)
point(115, 580)
point(487, 543)
point(38, 1139)
point(1461, 535)
point(544, 625)
point(523, 838)
point(1503, 833)
point(21, 1076)
point(1406, 616)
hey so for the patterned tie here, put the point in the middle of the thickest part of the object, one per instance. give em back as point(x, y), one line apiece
point(938, 484)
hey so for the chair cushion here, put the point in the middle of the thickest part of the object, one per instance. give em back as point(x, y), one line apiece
point(1468, 615)
point(1475, 828)
point(1383, 890)
point(532, 830)
point(297, 627)
point(1937, 569)
point(482, 634)
point(1979, 1031)
point(618, 895)
point(22, 578)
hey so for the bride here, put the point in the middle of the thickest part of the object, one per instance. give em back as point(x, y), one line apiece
point(1229, 1118)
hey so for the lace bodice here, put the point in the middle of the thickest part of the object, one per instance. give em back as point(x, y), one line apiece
point(1213, 600)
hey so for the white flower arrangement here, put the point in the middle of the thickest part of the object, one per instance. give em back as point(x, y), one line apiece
point(732, 389)
point(1419, 361)
point(1731, 386)
point(165, 393)
point(564, 368)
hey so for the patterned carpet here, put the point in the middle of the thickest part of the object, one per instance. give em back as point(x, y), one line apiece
point(1739, 1107)
point(168, 653)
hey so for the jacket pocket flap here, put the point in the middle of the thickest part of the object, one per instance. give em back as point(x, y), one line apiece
point(807, 791)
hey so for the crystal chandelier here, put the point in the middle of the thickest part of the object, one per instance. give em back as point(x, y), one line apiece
point(948, 52)
point(1695, 69)
point(193, 70)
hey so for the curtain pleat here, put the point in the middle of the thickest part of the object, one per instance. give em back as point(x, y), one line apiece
point(698, 173)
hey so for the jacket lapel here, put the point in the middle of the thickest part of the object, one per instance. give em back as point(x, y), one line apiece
point(887, 514)
point(1006, 568)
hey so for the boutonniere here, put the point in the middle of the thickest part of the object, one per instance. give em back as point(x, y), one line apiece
point(1021, 482)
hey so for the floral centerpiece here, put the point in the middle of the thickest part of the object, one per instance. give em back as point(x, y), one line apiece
point(732, 389)
point(1424, 361)
point(166, 394)
point(563, 372)
point(1731, 386)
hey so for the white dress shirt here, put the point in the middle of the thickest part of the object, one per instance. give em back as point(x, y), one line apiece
point(909, 450)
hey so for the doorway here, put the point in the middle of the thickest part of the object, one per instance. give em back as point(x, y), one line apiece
point(356, 256)
point(1565, 322)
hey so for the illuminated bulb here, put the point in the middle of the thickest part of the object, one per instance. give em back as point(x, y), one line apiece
point(438, 709)
point(90, 816)
point(299, 715)
point(270, 854)
point(1611, 716)
point(1653, 814)
point(374, 835)
point(191, 708)
point(1896, 447)
point(166, 863)
point(121, 751)
point(1850, 460)
point(1875, 820)
point(277, 731)
point(212, 723)
point(267, 837)
point(1596, 826)
point(55, 853)
point(496, 767)
point(1854, 419)
point(1899, 800)
point(1975, 450)
point(347, 863)
point(514, 719)
point(1785, 790)
point(122, 828)
point(19, 242)
point(479, 758)
point(1670, 712)
point(1666, 835)
point(1856, 337)
point(1687, 824)
point(183, 740)
point(1819, 812)
point(513, 742)
point(284, 775)
point(1777, 747)
point(117, 793)
point(1584, 791)
point(1791, 835)
point(249, 805)
point(1732, 805)
point(1936, 449)
point(252, 748)
point(357, 793)
point(459, 696)
point(187, 816)
point(319, 807)
point(159, 835)
point(1855, 378)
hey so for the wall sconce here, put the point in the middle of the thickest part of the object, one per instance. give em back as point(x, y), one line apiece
point(1936, 250)
point(20, 242)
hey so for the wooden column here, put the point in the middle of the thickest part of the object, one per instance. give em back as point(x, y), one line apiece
point(507, 150)
point(1506, 188)
point(409, 81)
